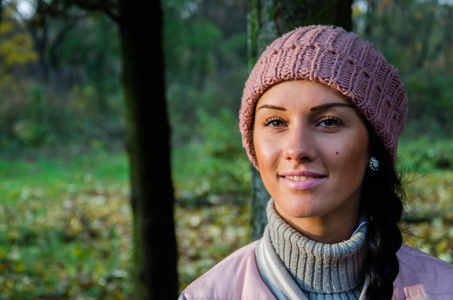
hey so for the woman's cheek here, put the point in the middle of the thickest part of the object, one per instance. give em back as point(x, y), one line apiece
point(267, 151)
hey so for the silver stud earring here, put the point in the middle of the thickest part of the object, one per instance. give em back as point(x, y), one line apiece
point(374, 164)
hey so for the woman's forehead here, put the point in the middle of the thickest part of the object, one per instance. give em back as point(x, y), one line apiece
point(301, 92)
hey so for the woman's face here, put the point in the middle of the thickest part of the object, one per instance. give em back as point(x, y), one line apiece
point(312, 151)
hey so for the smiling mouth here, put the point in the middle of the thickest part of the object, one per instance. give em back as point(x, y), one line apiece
point(303, 182)
point(302, 178)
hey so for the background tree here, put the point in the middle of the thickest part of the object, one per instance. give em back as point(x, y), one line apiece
point(148, 145)
point(268, 20)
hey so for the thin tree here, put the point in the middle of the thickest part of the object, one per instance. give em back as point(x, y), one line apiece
point(148, 146)
point(140, 27)
point(267, 20)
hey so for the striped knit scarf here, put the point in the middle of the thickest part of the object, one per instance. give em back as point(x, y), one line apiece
point(295, 267)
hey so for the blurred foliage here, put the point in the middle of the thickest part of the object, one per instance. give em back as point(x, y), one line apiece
point(206, 63)
point(431, 104)
point(214, 164)
point(425, 155)
point(60, 83)
point(16, 45)
point(206, 67)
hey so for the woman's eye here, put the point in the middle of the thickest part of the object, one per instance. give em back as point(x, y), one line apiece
point(275, 123)
point(330, 122)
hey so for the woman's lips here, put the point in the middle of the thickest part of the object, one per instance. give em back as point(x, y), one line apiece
point(302, 180)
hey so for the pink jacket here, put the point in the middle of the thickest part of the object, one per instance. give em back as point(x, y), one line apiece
point(236, 277)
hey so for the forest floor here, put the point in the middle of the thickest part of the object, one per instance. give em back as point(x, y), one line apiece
point(66, 227)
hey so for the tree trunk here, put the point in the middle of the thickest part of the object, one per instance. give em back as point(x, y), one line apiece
point(148, 146)
point(267, 20)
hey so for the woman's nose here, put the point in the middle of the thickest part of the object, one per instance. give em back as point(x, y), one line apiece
point(299, 145)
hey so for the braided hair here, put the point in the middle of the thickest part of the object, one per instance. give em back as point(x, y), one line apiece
point(382, 203)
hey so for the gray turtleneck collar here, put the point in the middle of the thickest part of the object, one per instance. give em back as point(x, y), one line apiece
point(321, 271)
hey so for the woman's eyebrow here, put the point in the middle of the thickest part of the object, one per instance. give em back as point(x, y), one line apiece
point(329, 105)
point(271, 107)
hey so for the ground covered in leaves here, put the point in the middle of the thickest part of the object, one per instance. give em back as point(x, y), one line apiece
point(66, 227)
point(66, 230)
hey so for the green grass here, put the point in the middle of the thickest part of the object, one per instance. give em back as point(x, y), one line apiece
point(58, 174)
point(426, 155)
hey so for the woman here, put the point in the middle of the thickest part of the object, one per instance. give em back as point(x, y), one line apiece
point(320, 118)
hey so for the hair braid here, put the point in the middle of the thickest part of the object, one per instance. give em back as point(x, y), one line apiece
point(382, 203)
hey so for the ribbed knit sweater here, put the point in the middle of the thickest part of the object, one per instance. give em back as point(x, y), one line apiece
point(321, 271)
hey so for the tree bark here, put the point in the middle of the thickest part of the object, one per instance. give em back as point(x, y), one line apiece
point(267, 20)
point(148, 146)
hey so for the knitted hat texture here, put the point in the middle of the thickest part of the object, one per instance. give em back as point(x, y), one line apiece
point(339, 59)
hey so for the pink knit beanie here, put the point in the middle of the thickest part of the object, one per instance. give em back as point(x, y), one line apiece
point(339, 59)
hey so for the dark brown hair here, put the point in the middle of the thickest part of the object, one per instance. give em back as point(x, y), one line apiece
point(382, 203)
